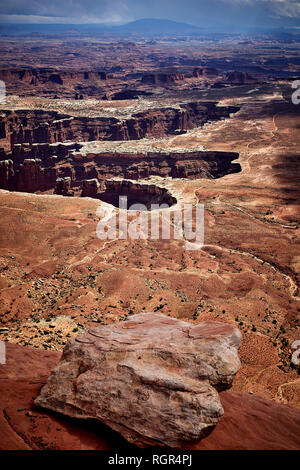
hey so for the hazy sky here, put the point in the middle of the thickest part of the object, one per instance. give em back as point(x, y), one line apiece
point(199, 12)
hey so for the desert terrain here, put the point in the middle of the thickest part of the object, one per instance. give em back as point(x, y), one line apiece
point(159, 121)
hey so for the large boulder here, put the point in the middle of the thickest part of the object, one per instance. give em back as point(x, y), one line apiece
point(152, 378)
point(249, 422)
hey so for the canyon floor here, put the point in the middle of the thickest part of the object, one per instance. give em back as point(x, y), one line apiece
point(57, 278)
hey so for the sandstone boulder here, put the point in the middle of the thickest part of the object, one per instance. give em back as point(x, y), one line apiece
point(152, 378)
point(249, 422)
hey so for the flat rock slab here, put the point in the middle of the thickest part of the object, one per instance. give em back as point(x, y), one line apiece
point(152, 378)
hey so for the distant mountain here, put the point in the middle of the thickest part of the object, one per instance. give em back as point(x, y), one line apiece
point(157, 26)
point(146, 26)
point(52, 29)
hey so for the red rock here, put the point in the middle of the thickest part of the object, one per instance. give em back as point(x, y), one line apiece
point(205, 72)
point(55, 80)
point(253, 423)
point(22, 426)
point(90, 188)
point(152, 378)
point(249, 422)
point(27, 177)
point(6, 173)
point(30, 176)
point(239, 78)
point(146, 194)
point(24, 126)
point(164, 78)
point(63, 186)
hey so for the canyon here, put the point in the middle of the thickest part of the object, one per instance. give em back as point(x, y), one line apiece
point(171, 121)
point(40, 174)
point(37, 126)
point(32, 164)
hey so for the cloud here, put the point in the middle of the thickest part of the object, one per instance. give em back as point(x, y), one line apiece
point(199, 12)
point(82, 9)
point(110, 19)
point(285, 8)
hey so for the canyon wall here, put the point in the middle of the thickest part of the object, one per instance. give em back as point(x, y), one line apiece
point(36, 76)
point(44, 146)
point(29, 177)
point(200, 72)
point(33, 174)
point(162, 78)
point(192, 165)
point(49, 127)
point(48, 82)
point(146, 194)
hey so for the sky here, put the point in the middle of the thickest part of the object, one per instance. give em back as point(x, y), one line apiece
point(218, 13)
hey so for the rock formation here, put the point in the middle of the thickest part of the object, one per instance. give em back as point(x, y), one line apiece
point(249, 422)
point(191, 165)
point(205, 72)
point(161, 79)
point(6, 173)
point(21, 173)
point(44, 151)
point(62, 82)
point(90, 188)
point(146, 194)
point(41, 140)
point(29, 177)
point(128, 94)
point(24, 126)
point(63, 187)
point(239, 78)
point(152, 378)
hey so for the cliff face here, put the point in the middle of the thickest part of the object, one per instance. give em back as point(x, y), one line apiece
point(169, 78)
point(64, 161)
point(161, 79)
point(48, 153)
point(55, 82)
point(90, 188)
point(43, 147)
point(6, 173)
point(50, 127)
point(239, 78)
point(34, 76)
point(205, 72)
point(136, 193)
point(190, 165)
point(63, 187)
point(29, 177)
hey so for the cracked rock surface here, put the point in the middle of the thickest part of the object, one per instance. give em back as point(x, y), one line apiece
point(152, 378)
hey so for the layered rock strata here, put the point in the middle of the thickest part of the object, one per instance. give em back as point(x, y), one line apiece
point(49, 126)
point(21, 173)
